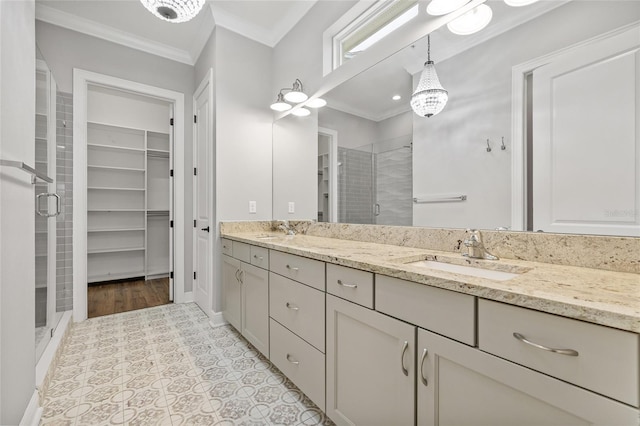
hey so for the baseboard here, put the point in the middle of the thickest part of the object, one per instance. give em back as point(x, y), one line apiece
point(33, 413)
point(216, 319)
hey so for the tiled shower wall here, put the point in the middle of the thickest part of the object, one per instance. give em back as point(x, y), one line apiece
point(355, 186)
point(64, 177)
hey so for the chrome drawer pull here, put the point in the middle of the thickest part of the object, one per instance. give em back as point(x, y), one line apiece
point(292, 268)
point(347, 285)
point(404, 349)
point(569, 352)
point(289, 358)
point(255, 256)
point(292, 307)
point(422, 358)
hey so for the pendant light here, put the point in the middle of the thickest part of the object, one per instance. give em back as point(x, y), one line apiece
point(174, 10)
point(429, 98)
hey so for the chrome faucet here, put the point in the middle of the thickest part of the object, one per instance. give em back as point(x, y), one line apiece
point(287, 228)
point(476, 247)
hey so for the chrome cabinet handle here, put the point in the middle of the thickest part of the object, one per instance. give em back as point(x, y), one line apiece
point(347, 285)
point(292, 307)
point(47, 214)
point(291, 360)
point(237, 272)
point(255, 256)
point(422, 358)
point(241, 276)
point(569, 352)
point(405, 346)
point(292, 268)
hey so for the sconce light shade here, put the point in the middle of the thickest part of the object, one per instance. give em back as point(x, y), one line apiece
point(472, 21)
point(429, 98)
point(316, 103)
point(301, 112)
point(443, 7)
point(518, 3)
point(175, 11)
point(280, 104)
point(295, 94)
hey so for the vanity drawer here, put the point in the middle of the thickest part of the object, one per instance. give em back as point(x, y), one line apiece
point(607, 360)
point(350, 284)
point(444, 312)
point(302, 269)
point(227, 247)
point(260, 257)
point(299, 361)
point(298, 307)
point(241, 251)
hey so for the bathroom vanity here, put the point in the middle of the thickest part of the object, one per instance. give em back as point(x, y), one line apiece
point(390, 334)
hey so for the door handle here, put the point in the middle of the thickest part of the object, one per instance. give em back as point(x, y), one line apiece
point(205, 229)
point(47, 214)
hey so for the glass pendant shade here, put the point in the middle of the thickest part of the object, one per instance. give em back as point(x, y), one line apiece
point(472, 21)
point(280, 104)
point(301, 112)
point(174, 10)
point(443, 7)
point(518, 3)
point(429, 98)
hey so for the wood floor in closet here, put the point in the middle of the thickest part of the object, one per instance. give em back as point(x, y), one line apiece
point(113, 298)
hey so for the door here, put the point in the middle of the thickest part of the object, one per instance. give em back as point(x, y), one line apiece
point(585, 110)
point(203, 190)
point(370, 367)
point(460, 385)
point(255, 306)
point(231, 292)
point(47, 208)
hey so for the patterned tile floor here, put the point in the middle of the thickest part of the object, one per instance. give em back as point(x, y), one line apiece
point(168, 366)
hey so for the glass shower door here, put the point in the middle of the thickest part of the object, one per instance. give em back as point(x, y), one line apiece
point(47, 207)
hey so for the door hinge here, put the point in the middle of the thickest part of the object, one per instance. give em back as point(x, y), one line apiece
point(171, 121)
point(171, 173)
point(170, 224)
point(194, 275)
point(195, 171)
point(194, 223)
point(195, 118)
point(171, 274)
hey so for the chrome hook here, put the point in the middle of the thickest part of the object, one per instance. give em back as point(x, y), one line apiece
point(488, 146)
point(503, 147)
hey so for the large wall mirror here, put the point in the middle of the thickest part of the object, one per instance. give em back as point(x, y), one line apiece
point(540, 131)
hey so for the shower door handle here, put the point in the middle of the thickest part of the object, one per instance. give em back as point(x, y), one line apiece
point(47, 214)
point(376, 209)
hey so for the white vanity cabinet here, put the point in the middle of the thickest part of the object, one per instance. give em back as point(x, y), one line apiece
point(245, 293)
point(370, 366)
point(460, 385)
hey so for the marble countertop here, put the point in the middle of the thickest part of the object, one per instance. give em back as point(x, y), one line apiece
point(597, 296)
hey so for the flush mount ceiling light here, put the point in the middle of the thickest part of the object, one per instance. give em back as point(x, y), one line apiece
point(174, 10)
point(396, 97)
point(301, 112)
point(316, 103)
point(443, 7)
point(429, 98)
point(518, 3)
point(472, 21)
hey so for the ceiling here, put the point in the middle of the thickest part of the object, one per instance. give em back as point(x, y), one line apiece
point(127, 22)
point(394, 75)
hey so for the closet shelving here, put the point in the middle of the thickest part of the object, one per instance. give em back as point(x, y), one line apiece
point(128, 202)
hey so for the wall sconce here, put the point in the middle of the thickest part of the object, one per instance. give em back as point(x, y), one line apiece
point(295, 95)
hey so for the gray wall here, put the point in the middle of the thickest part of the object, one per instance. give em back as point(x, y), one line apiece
point(64, 50)
point(17, 224)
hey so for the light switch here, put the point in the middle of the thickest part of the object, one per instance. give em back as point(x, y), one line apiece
point(253, 207)
point(292, 207)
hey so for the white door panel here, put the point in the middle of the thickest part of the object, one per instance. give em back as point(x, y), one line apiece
point(586, 143)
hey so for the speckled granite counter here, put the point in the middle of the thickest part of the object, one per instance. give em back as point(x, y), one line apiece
point(597, 296)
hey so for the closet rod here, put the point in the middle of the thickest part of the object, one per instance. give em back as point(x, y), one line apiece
point(33, 172)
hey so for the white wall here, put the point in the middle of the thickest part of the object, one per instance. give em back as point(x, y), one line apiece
point(394, 132)
point(17, 221)
point(353, 131)
point(64, 50)
point(295, 167)
point(449, 148)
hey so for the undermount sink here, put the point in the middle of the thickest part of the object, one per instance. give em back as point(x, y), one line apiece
point(473, 268)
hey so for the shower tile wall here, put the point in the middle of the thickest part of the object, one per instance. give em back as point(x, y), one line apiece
point(64, 175)
point(394, 185)
point(355, 186)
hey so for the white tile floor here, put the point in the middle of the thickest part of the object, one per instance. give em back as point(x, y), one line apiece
point(168, 366)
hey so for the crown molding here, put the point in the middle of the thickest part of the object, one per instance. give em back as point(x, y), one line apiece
point(348, 109)
point(105, 32)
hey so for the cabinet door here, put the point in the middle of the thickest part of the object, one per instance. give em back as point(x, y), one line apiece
point(370, 366)
point(460, 385)
point(231, 291)
point(255, 307)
